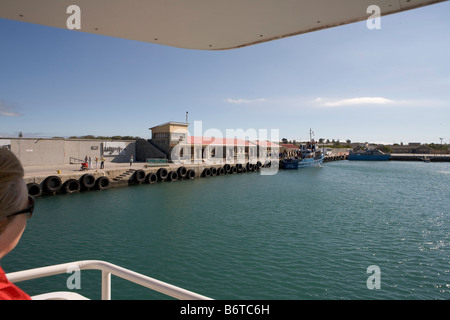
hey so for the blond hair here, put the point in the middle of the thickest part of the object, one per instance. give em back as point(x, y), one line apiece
point(11, 184)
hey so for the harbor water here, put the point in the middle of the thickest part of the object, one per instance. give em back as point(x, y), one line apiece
point(300, 234)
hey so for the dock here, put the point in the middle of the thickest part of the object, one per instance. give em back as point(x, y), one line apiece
point(420, 157)
point(330, 158)
point(69, 178)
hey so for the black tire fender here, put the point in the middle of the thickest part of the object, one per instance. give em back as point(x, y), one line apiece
point(206, 172)
point(190, 174)
point(173, 176)
point(139, 176)
point(182, 172)
point(34, 189)
point(162, 174)
point(72, 186)
point(102, 183)
point(87, 181)
point(151, 178)
point(52, 184)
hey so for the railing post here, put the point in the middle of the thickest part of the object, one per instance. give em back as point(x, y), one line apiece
point(106, 285)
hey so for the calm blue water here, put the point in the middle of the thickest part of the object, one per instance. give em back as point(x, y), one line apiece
point(306, 234)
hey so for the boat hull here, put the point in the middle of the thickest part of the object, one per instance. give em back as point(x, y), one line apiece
point(369, 157)
point(310, 162)
point(290, 164)
point(302, 163)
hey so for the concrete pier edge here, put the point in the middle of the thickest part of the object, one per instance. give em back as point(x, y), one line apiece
point(120, 175)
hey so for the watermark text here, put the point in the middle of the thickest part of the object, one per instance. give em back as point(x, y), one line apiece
point(374, 280)
point(374, 21)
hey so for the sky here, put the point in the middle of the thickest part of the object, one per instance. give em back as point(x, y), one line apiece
point(387, 85)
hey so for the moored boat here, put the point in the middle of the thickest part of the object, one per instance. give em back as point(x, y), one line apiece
point(289, 163)
point(369, 155)
point(308, 155)
point(295, 163)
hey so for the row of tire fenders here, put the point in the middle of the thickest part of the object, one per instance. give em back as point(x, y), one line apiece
point(54, 184)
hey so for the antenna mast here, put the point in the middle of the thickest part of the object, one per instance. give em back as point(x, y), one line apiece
point(311, 133)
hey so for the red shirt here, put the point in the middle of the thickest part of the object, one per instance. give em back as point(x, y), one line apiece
point(8, 291)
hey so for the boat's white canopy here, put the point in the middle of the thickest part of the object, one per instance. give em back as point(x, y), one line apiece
point(202, 24)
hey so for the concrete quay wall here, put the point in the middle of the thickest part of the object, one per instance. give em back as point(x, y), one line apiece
point(110, 173)
point(419, 157)
point(70, 179)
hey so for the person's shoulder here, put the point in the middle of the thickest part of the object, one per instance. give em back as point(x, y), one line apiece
point(9, 291)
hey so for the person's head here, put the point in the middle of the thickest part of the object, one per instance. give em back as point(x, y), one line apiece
point(13, 199)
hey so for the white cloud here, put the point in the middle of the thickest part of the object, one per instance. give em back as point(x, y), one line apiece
point(7, 110)
point(241, 101)
point(380, 101)
point(355, 101)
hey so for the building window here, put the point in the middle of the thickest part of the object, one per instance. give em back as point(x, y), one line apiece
point(161, 135)
point(178, 136)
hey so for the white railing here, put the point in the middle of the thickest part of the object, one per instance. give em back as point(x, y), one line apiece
point(107, 269)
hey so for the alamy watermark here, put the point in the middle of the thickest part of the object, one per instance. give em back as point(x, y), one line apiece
point(236, 146)
point(374, 280)
point(374, 21)
point(74, 280)
point(74, 20)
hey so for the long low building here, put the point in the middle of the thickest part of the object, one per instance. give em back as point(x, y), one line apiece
point(170, 141)
point(173, 140)
point(59, 151)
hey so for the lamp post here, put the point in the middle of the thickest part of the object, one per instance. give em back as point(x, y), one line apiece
point(441, 145)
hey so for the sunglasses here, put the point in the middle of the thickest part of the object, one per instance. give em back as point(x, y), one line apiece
point(28, 210)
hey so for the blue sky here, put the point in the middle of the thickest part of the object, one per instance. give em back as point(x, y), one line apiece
point(390, 85)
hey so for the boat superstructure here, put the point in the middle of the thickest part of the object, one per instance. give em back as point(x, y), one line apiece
point(201, 24)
